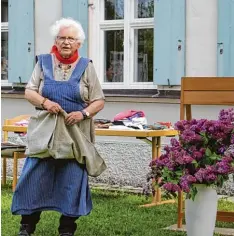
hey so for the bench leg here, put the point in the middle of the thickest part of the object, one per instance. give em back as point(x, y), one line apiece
point(4, 167)
point(180, 210)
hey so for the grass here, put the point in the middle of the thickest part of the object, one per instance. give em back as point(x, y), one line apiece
point(114, 213)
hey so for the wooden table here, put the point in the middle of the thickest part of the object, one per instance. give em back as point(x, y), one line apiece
point(152, 137)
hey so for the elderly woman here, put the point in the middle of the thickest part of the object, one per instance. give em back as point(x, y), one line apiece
point(61, 81)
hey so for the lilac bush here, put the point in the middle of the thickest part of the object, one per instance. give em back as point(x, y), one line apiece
point(204, 154)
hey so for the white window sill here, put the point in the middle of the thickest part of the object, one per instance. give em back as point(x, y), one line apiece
point(5, 83)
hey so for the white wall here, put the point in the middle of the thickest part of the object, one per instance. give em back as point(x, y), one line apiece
point(46, 13)
point(201, 37)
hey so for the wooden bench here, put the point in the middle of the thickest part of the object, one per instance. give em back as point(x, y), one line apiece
point(13, 154)
point(204, 91)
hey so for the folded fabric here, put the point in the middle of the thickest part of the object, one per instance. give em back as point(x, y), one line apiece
point(49, 136)
point(135, 121)
point(5, 145)
point(120, 127)
point(166, 124)
point(128, 114)
point(101, 121)
point(22, 123)
point(154, 127)
point(8, 149)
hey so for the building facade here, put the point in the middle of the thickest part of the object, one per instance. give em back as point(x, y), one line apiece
point(140, 49)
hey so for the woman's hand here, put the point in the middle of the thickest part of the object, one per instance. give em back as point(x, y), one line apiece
point(52, 107)
point(74, 117)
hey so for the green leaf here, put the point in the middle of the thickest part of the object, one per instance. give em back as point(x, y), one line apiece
point(179, 173)
point(208, 152)
point(174, 181)
point(203, 134)
point(220, 180)
point(195, 163)
point(204, 137)
point(213, 157)
point(193, 193)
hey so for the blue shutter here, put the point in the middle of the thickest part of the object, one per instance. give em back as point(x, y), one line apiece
point(225, 38)
point(169, 41)
point(21, 40)
point(78, 10)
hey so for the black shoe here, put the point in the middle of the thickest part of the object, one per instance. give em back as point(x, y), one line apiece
point(23, 231)
point(66, 234)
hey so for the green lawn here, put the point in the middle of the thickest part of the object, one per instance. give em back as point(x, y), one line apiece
point(113, 214)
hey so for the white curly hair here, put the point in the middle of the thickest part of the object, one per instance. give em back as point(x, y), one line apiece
point(68, 22)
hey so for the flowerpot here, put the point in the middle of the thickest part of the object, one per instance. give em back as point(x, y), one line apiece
point(200, 214)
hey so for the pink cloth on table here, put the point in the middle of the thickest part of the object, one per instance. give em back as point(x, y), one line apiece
point(128, 113)
point(22, 123)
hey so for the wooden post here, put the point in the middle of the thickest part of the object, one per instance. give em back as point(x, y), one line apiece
point(180, 209)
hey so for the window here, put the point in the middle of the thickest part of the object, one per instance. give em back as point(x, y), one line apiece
point(122, 43)
point(4, 42)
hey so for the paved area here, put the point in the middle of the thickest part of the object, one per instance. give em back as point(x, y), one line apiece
point(220, 231)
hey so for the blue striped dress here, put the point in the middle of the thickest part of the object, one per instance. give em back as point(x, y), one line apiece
point(50, 184)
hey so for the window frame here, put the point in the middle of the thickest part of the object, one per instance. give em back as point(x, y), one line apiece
point(129, 24)
point(5, 28)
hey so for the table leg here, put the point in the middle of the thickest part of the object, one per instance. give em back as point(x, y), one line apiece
point(156, 152)
point(158, 190)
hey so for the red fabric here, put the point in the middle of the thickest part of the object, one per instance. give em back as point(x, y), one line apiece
point(69, 60)
point(127, 114)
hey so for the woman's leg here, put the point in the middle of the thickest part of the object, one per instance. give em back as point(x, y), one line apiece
point(28, 222)
point(67, 224)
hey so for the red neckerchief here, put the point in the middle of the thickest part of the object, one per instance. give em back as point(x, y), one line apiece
point(69, 60)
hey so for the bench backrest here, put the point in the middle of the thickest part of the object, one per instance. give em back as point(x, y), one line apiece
point(205, 91)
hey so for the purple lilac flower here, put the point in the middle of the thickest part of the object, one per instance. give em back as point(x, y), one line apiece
point(162, 161)
point(227, 115)
point(191, 179)
point(210, 177)
point(175, 143)
point(198, 155)
point(185, 159)
point(207, 174)
point(216, 129)
point(222, 149)
point(224, 166)
point(199, 175)
point(170, 187)
point(186, 181)
point(189, 136)
point(180, 125)
point(185, 186)
point(197, 136)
